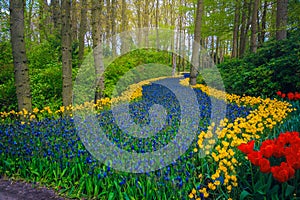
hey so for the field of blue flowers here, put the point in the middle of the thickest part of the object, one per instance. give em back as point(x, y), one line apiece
point(49, 151)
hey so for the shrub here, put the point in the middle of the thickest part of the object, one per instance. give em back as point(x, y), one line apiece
point(274, 67)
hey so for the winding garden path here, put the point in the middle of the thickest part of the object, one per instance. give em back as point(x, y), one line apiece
point(16, 190)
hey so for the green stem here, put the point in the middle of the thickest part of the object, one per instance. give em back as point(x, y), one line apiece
point(282, 190)
point(252, 177)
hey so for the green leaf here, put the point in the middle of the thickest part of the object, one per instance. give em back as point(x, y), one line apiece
point(244, 194)
point(111, 196)
point(289, 190)
point(274, 190)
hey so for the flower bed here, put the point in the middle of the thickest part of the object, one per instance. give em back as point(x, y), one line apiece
point(48, 150)
point(268, 113)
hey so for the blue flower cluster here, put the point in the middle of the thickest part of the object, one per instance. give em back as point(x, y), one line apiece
point(51, 142)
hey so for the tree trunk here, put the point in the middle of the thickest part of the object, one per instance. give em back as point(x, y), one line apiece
point(44, 20)
point(246, 21)
point(97, 48)
point(196, 43)
point(74, 21)
point(212, 47)
point(22, 84)
point(66, 53)
point(281, 19)
point(108, 23)
point(156, 24)
point(146, 22)
point(273, 20)
point(29, 21)
point(82, 29)
point(217, 50)
point(221, 52)
point(253, 40)
point(113, 27)
point(234, 52)
point(263, 23)
point(243, 30)
point(56, 15)
point(123, 27)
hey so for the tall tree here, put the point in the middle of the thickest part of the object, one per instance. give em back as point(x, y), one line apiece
point(16, 9)
point(74, 19)
point(146, 22)
point(196, 43)
point(82, 29)
point(281, 19)
point(44, 20)
point(97, 48)
point(66, 53)
point(245, 23)
point(113, 27)
point(29, 20)
point(236, 29)
point(124, 26)
point(262, 34)
point(253, 40)
point(56, 15)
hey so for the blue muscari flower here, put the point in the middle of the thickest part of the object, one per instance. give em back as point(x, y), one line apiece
point(180, 184)
point(221, 179)
point(89, 160)
point(123, 181)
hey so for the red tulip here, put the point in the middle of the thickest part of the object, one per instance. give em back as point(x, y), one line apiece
point(290, 96)
point(254, 157)
point(246, 148)
point(278, 93)
point(264, 165)
point(283, 172)
point(267, 148)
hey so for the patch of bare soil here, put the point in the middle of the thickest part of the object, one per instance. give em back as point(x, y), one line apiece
point(19, 190)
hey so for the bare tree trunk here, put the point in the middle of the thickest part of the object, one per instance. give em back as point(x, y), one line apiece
point(82, 29)
point(123, 27)
point(113, 27)
point(234, 52)
point(22, 84)
point(56, 15)
point(146, 22)
point(156, 23)
point(253, 40)
point(246, 21)
point(41, 22)
point(74, 21)
point(217, 50)
point(97, 48)
point(66, 53)
point(108, 23)
point(212, 47)
point(29, 18)
point(44, 20)
point(263, 23)
point(273, 20)
point(196, 43)
point(221, 52)
point(243, 30)
point(281, 19)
